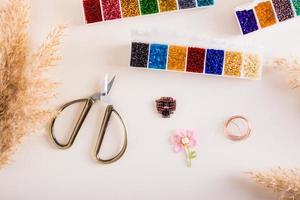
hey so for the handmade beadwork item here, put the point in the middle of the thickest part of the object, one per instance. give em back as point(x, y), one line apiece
point(166, 106)
point(264, 13)
point(238, 64)
point(185, 141)
point(103, 10)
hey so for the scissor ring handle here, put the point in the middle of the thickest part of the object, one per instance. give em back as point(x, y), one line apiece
point(109, 110)
point(88, 104)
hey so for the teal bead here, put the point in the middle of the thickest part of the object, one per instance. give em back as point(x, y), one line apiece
point(296, 4)
point(205, 3)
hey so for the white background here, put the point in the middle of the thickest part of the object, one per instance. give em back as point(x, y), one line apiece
point(149, 169)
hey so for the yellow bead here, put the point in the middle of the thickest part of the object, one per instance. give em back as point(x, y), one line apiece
point(251, 66)
point(130, 8)
point(167, 5)
point(233, 63)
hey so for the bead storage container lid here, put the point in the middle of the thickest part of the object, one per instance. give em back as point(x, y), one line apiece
point(261, 14)
point(106, 10)
point(192, 54)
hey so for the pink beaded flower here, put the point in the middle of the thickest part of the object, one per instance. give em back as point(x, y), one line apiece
point(185, 140)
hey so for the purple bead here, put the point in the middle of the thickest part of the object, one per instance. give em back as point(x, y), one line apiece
point(247, 21)
point(283, 9)
point(184, 4)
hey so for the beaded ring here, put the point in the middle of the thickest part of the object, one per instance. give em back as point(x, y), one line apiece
point(243, 134)
point(166, 106)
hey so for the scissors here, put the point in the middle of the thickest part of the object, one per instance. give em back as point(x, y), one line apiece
point(88, 103)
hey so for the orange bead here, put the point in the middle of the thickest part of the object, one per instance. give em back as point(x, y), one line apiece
point(265, 14)
point(177, 58)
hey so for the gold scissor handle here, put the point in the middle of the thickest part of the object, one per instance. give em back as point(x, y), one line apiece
point(88, 104)
point(109, 110)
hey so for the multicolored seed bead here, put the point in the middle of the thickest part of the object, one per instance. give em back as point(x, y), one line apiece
point(103, 10)
point(205, 2)
point(177, 58)
point(92, 11)
point(196, 60)
point(247, 21)
point(214, 61)
point(139, 54)
point(148, 7)
point(283, 9)
point(251, 65)
point(158, 56)
point(264, 13)
point(233, 63)
point(111, 9)
point(130, 8)
point(296, 5)
point(185, 4)
point(167, 5)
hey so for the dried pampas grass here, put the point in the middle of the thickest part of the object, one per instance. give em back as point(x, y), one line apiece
point(285, 182)
point(24, 89)
point(290, 68)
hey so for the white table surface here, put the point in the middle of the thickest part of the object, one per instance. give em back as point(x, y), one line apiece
point(150, 170)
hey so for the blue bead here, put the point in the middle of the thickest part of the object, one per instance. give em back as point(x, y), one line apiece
point(247, 21)
point(214, 62)
point(158, 56)
point(205, 2)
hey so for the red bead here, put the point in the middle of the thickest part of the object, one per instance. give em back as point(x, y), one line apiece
point(195, 60)
point(111, 9)
point(92, 11)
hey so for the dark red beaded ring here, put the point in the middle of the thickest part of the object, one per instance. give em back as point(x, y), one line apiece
point(166, 106)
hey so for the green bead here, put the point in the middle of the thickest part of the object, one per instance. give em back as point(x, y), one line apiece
point(296, 4)
point(148, 6)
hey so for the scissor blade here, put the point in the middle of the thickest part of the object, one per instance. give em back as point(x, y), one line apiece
point(110, 84)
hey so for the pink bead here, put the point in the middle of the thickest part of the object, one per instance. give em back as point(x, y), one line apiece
point(111, 9)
